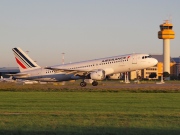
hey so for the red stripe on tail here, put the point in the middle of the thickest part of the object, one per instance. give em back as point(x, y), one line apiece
point(21, 64)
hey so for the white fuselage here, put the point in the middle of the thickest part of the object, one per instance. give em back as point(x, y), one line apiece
point(111, 65)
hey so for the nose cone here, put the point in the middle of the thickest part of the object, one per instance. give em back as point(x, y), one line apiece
point(154, 62)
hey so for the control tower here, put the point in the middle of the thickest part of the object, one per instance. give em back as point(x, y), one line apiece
point(166, 33)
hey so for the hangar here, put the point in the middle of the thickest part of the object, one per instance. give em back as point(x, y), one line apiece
point(8, 70)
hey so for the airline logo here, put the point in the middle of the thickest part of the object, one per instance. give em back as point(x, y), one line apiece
point(22, 59)
point(114, 59)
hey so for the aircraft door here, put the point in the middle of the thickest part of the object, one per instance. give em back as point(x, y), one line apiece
point(40, 73)
point(134, 59)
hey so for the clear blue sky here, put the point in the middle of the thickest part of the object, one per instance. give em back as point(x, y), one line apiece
point(84, 29)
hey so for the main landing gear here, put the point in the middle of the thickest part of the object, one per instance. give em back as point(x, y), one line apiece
point(83, 84)
point(94, 83)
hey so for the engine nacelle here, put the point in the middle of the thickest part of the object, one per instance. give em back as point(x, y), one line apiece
point(114, 76)
point(98, 75)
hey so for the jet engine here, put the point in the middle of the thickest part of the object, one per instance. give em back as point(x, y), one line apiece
point(98, 75)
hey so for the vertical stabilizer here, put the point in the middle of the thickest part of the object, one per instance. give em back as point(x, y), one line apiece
point(24, 62)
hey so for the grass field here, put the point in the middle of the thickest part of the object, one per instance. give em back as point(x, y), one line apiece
point(91, 112)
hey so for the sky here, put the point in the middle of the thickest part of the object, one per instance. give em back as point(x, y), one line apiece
point(84, 29)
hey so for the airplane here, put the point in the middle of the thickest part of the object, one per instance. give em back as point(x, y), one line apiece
point(10, 79)
point(92, 70)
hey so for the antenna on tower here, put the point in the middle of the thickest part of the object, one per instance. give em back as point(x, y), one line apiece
point(170, 18)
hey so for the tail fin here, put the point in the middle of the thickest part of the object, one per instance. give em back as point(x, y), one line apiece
point(24, 62)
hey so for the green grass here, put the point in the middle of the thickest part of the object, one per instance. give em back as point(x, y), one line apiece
point(89, 113)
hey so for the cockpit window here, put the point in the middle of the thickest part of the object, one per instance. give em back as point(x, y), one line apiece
point(144, 57)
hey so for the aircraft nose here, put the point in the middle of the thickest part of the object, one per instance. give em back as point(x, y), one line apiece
point(155, 61)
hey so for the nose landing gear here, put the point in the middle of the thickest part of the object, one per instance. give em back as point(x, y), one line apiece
point(83, 84)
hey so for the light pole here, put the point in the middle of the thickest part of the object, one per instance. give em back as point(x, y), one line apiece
point(63, 57)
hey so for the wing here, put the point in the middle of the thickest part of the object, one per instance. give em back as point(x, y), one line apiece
point(19, 75)
point(71, 71)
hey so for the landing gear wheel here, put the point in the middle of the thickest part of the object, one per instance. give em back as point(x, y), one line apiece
point(83, 84)
point(94, 83)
